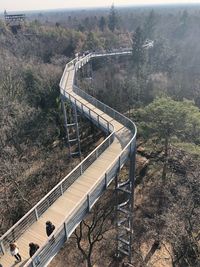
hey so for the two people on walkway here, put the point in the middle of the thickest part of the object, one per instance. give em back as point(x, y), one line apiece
point(14, 250)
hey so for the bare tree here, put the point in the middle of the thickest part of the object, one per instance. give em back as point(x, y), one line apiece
point(92, 230)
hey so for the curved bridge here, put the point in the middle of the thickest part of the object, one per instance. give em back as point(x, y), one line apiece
point(69, 201)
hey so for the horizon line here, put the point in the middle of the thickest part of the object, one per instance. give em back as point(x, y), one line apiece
point(104, 7)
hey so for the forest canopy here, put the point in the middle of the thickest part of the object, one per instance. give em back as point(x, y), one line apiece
point(158, 88)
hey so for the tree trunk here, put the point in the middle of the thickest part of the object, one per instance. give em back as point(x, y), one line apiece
point(89, 264)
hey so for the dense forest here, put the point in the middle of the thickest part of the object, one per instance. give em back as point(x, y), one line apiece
point(158, 88)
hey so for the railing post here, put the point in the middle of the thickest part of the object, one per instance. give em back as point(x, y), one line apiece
point(106, 180)
point(114, 114)
point(2, 247)
point(88, 201)
point(96, 153)
point(81, 168)
point(36, 214)
point(119, 161)
point(130, 150)
point(66, 230)
point(61, 189)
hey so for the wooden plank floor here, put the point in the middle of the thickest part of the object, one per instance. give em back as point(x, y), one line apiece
point(74, 196)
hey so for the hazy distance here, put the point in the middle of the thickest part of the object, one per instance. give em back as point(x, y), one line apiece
point(18, 5)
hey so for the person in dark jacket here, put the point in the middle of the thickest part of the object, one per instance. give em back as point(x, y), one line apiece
point(33, 248)
point(49, 228)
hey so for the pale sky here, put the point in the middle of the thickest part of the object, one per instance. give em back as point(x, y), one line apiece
point(14, 5)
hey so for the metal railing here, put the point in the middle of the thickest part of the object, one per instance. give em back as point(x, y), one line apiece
point(62, 233)
point(106, 109)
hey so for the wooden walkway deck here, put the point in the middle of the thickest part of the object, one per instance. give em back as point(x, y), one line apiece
point(73, 197)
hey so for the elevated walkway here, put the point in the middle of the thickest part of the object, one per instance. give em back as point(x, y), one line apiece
point(67, 204)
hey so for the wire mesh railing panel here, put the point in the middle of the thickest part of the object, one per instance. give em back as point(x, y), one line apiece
point(71, 178)
point(119, 117)
point(103, 122)
point(19, 229)
point(103, 147)
point(89, 161)
point(95, 194)
point(111, 173)
point(77, 217)
point(85, 109)
point(110, 112)
point(42, 207)
point(55, 194)
point(93, 115)
point(124, 156)
point(100, 105)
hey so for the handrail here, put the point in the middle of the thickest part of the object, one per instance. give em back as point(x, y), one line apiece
point(105, 108)
point(68, 225)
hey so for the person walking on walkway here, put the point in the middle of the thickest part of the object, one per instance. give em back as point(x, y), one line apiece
point(33, 247)
point(14, 250)
point(49, 228)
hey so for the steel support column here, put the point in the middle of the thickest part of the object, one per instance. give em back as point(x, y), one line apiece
point(63, 103)
point(71, 126)
point(125, 194)
point(75, 117)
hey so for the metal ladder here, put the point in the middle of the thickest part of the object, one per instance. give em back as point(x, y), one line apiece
point(124, 212)
point(71, 128)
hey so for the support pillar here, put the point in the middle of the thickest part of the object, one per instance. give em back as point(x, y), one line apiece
point(124, 216)
point(66, 124)
point(71, 128)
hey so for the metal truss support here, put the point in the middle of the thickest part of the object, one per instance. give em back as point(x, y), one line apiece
point(125, 200)
point(71, 128)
